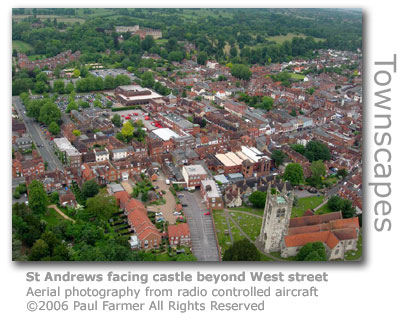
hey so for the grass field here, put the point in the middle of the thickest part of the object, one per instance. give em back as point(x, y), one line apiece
point(256, 211)
point(323, 209)
point(221, 225)
point(21, 46)
point(250, 225)
point(297, 76)
point(52, 217)
point(65, 19)
point(306, 203)
point(288, 37)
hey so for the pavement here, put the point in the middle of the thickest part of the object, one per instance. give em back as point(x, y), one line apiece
point(169, 207)
point(33, 128)
point(204, 244)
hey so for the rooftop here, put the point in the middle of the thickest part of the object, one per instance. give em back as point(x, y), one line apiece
point(165, 133)
point(195, 169)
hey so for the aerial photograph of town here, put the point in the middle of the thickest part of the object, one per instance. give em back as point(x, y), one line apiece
point(187, 134)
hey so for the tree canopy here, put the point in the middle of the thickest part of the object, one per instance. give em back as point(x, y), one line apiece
point(258, 199)
point(37, 197)
point(294, 173)
point(242, 250)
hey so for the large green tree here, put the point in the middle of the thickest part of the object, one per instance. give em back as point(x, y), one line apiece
point(102, 206)
point(49, 112)
point(294, 173)
point(313, 251)
point(37, 198)
point(116, 120)
point(242, 250)
point(316, 150)
point(90, 188)
point(241, 71)
point(258, 199)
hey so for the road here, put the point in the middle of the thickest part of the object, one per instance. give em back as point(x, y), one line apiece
point(204, 244)
point(46, 152)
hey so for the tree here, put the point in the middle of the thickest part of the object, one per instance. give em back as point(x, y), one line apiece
point(69, 87)
point(298, 148)
point(127, 131)
point(102, 206)
point(37, 198)
point(116, 120)
point(90, 189)
point(39, 251)
point(54, 128)
point(258, 199)
point(336, 203)
point(241, 71)
point(71, 106)
point(294, 173)
point(316, 150)
point(148, 79)
point(313, 251)
point(59, 86)
point(76, 73)
point(278, 157)
point(242, 250)
point(76, 132)
point(318, 171)
point(202, 57)
point(49, 112)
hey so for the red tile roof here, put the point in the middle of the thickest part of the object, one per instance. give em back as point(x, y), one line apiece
point(328, 228)
point(178, 230)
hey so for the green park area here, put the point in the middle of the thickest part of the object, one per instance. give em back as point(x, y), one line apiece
point(21, 46)
point(303, 204)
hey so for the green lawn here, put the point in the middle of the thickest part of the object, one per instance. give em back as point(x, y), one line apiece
point(256, 211)
point(306, 203)
point(288, 37)
point(21, 46)
point(221, 225)
point(297, 76)
point(52, 217)
point(251, 225)
point(324, 209)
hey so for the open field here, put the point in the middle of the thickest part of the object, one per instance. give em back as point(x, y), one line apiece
point(251, 225)
point(21, 46)
point(52, 217)
point(252, 210)
point(65, 19)
point(297, 76)
point(324, 209)
point(306, 203)
point(288, 37)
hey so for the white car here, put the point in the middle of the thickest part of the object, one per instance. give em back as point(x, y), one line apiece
point(158, 214)
point(176, 213)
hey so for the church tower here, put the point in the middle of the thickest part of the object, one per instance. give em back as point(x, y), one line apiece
point(276, 218)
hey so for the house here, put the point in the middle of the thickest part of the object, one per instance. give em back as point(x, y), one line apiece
point(211, 194)
point(145, 236)
point(193, 175)
point(179, 235)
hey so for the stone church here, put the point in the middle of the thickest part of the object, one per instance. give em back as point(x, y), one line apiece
point(276, 219)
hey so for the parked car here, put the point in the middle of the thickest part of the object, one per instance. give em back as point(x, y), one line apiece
point(184, 205)
point(206, 213)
